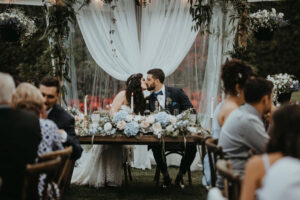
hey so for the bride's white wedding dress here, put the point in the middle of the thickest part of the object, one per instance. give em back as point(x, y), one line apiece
point(102, 165)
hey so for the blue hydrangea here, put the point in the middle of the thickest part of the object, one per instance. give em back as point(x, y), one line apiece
point(131, 129)
point(163, 118)
point(119, 116)
point(113, 131)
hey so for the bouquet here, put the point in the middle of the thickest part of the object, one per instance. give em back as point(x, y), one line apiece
point(15, 25)
point(266, 20)
point(283, 84)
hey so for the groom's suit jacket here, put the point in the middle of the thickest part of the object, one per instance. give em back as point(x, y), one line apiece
point(20, 137)
point(175, 98)
point(66, 122)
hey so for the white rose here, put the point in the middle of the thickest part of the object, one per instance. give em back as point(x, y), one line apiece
point(129, 118)
point(173, 119)
point(170, 128)
point(150, 119)
point(107, 126)
point(157, 128)
point(121, 125)
point(144, 124)
point(192, 129)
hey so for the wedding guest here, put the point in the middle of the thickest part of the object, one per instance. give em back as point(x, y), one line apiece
point(50, 89)
point(28, 97)
point(282, 180)
point(234, 75)
point(174, 100)
point(20, 137)
point(244, 129)
point(284, 141)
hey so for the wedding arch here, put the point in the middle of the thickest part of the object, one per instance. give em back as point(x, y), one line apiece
point(122, 44)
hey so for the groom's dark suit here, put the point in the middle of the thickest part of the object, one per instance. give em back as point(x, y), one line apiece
point(66, 122)
point(175, 98)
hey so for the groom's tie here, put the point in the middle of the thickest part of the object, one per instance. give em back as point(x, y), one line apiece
point(155, 94)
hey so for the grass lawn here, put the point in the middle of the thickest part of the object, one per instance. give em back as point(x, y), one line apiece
point(142, 187)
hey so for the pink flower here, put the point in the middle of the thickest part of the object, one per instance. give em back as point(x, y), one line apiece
point(145, 124)
point(121, 125)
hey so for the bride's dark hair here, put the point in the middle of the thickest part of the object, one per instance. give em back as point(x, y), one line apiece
point(133, 85)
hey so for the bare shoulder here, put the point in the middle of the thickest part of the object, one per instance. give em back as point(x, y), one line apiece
point(120, 97)
point(255, 163)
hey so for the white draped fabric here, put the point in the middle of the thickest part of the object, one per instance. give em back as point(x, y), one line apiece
point(165, 36)
point(220, 43)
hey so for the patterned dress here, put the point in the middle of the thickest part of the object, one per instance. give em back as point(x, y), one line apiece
point(50, 142)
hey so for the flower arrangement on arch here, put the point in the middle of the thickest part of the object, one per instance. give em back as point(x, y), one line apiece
point(264, 19)
point(15, 25)
point(283, 84)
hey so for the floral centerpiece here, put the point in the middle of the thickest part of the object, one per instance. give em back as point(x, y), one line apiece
point(130, 125)
point(15, 25)
point(284, 85)
point(264, 22)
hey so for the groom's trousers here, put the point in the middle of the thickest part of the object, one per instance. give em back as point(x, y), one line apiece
point(186, 160)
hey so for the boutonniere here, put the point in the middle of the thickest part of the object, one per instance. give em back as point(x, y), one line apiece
point(169, 101)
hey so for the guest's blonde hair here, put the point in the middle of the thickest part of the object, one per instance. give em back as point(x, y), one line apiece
point(28, 97)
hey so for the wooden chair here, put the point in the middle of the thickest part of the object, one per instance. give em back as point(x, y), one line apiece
point(232, 180)
point(31, 178)
point(127, 152)
point(62, 177)
point(0, 183)
point(214, 152)
point(168, 151)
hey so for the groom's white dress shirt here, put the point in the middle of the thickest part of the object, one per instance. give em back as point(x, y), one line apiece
point(162, 98)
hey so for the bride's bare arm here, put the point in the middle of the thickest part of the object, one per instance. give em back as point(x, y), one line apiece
point(118, 101)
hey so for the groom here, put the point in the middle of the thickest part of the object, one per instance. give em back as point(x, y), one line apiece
point(171, 99)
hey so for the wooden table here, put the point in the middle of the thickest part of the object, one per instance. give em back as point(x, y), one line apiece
point(143, 140)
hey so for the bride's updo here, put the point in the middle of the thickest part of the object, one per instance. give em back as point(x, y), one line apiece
point(133, 85)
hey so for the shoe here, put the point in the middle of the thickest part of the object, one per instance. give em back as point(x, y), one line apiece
point(167, 182)
point(179, 181)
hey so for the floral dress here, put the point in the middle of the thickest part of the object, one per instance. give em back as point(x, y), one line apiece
point(50, 142)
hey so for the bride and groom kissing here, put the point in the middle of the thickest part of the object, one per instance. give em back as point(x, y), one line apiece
point(101, 166)
point(174, 100)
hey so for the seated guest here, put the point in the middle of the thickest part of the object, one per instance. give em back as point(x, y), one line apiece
point(234, 75)
point(30, 98)
point(50, 89)
point(20, 136)
point(284, 141)
point(282, 180)
point(244, 129)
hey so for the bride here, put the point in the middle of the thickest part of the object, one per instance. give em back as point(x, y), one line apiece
point(102, 165)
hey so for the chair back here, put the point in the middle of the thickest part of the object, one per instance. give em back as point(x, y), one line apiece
point(62, 175)
point(0, 183)
point(232, 180)
point(214, 152)
point(32, 174)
